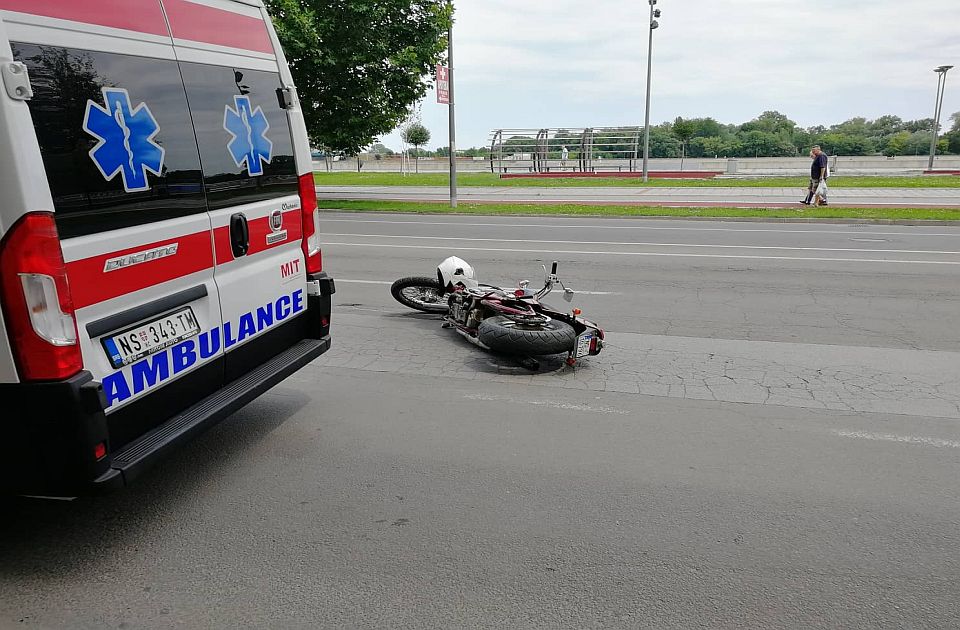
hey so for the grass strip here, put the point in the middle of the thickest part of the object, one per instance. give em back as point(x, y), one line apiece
point(490, 179)
point(832, 212)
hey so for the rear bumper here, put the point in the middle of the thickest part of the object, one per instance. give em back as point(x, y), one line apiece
point(141, 454)
point(52, 429)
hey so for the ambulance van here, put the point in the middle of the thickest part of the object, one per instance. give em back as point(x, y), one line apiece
point(160, 262)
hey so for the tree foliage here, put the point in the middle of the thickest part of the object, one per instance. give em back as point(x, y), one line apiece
point(359, 64)
point(416, 135)
point(772, 134)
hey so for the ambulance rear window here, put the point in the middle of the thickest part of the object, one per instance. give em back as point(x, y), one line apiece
point(245, 142)
point(116, 138)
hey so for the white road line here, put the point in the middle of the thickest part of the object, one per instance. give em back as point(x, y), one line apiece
point(651, 254)
point(903, 439)
point(701, 245)
point(555, 404)
point(387, 282)
point(414, 221)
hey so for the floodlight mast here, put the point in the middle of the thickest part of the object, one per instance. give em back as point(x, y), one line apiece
point(938, 110)
point(654, 25)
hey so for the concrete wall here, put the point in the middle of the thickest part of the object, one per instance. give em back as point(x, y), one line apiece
point(872, 165)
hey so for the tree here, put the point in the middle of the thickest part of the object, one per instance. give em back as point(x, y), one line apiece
point(380, 149)
point(918, 143)
point(771, 122)
point(359, 65)
point(886, 126)
point(663, 144)
point(756, 143)
point(923, 124)
point(684, 130)
point(896, 144)
point(953, 136)
point(707, 128)
point(835, 143)
point(416, 135)
point(853, 127)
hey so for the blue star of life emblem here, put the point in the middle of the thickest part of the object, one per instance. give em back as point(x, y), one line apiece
point(250, 145)
point(125, 137)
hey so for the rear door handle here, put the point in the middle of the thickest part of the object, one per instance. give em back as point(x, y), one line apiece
point(239, 235)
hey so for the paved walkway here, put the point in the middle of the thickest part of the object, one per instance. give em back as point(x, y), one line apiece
point(810, 376)
point(738, 197)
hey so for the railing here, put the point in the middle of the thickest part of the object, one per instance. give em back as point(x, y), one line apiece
point(567, 149)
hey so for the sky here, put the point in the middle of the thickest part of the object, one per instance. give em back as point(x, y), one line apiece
point(577, 63)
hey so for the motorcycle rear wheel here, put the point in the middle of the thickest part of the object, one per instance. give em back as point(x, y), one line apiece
point(500, 334)
point(420, 293)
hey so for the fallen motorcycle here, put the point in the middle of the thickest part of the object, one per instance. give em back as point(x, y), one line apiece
point(507, 321)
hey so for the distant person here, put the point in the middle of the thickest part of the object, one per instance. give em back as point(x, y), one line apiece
point(564, 155)
point(819, 172)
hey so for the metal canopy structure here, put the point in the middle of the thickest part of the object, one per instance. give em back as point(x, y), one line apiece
point(571, 149)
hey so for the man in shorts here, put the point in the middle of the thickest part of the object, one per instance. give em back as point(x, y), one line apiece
point(818, 173)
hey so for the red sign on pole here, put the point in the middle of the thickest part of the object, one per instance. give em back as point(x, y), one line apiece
point(443, 85)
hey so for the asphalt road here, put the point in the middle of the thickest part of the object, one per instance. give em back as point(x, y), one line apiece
point(770, 440)
point(701, 197)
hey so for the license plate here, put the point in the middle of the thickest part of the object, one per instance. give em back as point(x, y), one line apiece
point(145, 339)
point(583, 345)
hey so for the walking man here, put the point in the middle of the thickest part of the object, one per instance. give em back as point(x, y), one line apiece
point(818, 175)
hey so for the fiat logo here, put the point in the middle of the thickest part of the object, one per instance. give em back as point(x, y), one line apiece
point(276, 220)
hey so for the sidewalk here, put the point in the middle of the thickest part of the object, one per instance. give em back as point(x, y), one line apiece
point(737, 197)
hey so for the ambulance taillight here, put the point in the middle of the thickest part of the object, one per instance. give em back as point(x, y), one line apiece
point(36, 299)
point(311, 224)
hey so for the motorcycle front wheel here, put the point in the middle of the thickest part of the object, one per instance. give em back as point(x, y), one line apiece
point(420, 293)
point(501, 334)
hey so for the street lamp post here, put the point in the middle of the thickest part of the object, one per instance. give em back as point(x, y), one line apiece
point(452, 116)
point(941, 88)
point(654, 13)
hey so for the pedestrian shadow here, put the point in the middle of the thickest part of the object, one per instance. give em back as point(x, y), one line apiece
point(42, 539)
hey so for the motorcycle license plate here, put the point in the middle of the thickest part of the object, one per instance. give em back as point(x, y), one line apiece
point(583, 345)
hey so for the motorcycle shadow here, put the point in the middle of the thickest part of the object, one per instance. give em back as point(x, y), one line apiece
point(489, 362)
point(426, 317)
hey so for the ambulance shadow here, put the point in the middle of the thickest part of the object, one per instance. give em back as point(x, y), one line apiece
point(41, 538)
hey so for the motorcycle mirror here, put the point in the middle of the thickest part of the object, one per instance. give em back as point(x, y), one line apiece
point(568, 294)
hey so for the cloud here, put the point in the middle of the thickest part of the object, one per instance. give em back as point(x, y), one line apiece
point(546, 63)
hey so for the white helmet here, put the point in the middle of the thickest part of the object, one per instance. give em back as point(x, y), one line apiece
point(455, 271)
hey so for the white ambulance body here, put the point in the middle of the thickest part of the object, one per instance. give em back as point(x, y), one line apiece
point(159, 250)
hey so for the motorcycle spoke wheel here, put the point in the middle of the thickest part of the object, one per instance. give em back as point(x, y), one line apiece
point(420, 293)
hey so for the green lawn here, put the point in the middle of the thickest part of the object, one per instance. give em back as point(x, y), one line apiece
point(902, 214)
point(490, 179)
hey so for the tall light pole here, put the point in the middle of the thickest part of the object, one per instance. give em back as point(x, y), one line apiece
point(654, 13)
point(451, 109)
point(941, 88)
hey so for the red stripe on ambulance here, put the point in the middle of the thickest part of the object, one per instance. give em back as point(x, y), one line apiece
point(143, 16)
point(259, 231)
point(198, 22)
point(90, 284)
point(188, 20)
